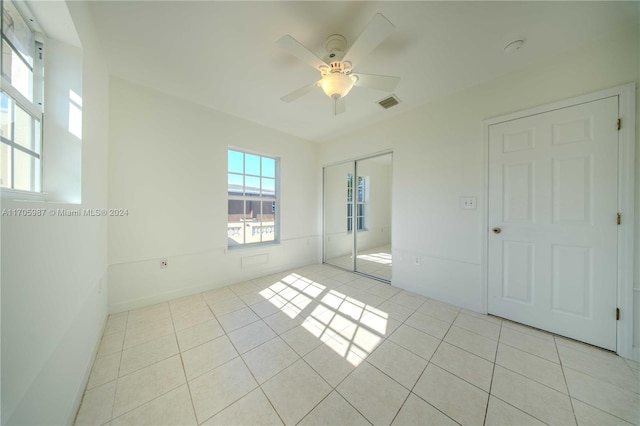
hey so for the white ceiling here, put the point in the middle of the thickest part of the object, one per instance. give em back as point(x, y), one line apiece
point(223, 54)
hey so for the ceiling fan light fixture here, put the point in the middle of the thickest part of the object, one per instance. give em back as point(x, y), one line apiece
point(336, 84)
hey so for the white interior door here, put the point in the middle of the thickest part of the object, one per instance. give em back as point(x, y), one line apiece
point(553, 198)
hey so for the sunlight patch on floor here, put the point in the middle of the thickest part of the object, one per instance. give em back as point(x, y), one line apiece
point(383, 258)
point(345, 324)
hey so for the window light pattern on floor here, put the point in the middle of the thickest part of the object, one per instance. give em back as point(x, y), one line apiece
point(347, 325)
point(383, 258)
point(318, 345)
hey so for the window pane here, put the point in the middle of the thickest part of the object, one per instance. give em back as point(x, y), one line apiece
point(268, 221)
point(252, 164)
point(360, 223)
point(16, 30)
point(16, 71)
point(252, 223)
point(252, 178)
point(5, 165)
point(235, 160)
point(6, 121)
point(235, 185)
point(235, 222)
point(268, 187)
point(25, 171)
point(252, 186)
point(37, 177)
point(268, 212)
point(349, 209)
point(360, 209)
point(252, 211)
point(23, 129)
point(268, 167)
point(37, 133)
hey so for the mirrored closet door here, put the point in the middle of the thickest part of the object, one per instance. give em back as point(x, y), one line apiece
point(357, 216)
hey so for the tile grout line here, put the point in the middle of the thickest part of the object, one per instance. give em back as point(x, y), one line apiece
point(156, 397)
point(518, 409)
point(259, 386)
point(493, 371)
point(425, 369)
point(571, 398)
point(566, 383)
point(588, 373)
point(115, 392)
point(529, 353)
point(184, 370)
point(227, 362)
point(334, 388)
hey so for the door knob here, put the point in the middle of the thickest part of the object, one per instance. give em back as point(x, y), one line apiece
point(496, 230)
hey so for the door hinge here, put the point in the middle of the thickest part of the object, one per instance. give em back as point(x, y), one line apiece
point(619, 123)
point(617, 314)
point(619, 220)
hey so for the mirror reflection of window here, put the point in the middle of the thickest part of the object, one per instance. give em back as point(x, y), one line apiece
point(362, 198)
point(366, 206)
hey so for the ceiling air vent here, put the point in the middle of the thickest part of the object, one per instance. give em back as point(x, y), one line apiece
point(389, 102)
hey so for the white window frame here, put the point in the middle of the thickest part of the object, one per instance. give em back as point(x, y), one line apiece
point(356, 205)
point(275, 199)
point(33, 108)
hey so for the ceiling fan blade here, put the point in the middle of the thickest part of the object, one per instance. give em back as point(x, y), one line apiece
point(300, 92)
point(296, 48)
point(386, 83)
point(339, 106)
point(376, 31)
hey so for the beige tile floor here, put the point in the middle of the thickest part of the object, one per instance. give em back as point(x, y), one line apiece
point(321, 346)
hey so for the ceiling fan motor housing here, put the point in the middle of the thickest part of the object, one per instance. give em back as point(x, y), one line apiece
point(336, 67)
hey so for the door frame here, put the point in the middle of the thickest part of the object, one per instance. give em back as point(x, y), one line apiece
point(626, 183)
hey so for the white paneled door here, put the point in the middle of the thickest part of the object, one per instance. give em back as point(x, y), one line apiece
point(553, 198)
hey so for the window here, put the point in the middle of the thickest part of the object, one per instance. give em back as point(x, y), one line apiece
point(20, 102)
point(361, 200)
point(252, 182)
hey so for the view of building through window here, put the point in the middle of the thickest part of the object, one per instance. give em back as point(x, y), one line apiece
point(252, 198)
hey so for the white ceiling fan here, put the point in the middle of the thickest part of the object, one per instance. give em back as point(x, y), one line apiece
point(337, 67)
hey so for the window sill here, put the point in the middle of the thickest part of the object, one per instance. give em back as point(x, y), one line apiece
point(18, 195)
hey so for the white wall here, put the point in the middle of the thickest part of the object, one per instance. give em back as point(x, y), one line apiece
point(53, 269)
point(62, 151)
point(378, 205)
point(338, 241)
point(439, 157)
point(168, 167)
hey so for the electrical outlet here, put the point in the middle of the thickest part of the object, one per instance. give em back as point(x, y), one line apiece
point(418, 260)
point(468, 203)
point(164, 264)
point(100, 286)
